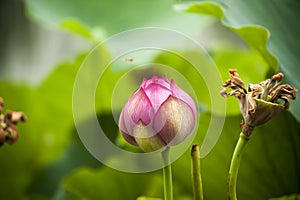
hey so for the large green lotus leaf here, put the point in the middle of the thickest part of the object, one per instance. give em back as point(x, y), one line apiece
point(106, 183)
point(48, 179)
point(55, 94)
point(280, 21)
point(270, 164)
point(255, 36)
point(75, 155)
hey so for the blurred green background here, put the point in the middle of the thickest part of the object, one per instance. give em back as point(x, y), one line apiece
point(45, 42)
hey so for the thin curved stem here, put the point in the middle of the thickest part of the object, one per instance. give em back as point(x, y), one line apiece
point(235, 164)
point(167, 174)
point(196, 175)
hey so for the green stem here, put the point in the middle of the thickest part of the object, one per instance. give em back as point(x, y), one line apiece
point(167, 173)
point(235, 164)
point(196, 176)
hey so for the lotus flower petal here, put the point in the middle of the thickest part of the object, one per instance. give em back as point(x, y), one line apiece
point(130, 139)
point(180, 94)
point(138, 108)
point(157, 94)
point(174, 121)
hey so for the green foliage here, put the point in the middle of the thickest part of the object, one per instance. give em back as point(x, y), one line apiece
point(106, 183)
point(257, 37)
point(205, 8)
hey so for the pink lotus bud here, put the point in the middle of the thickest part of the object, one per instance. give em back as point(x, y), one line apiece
point(158, 114)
